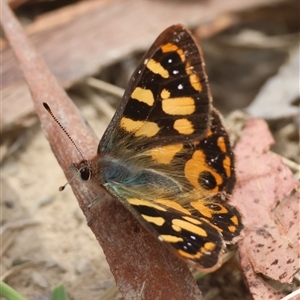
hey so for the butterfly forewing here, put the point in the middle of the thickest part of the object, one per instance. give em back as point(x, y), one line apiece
point(167, 99)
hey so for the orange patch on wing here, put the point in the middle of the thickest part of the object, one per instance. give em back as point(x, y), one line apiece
point(234, 220)
point(130, 125)
point(188, 255)
point(170, 238)
point(227, 166)
point(178, 106)
point(165, 94)
point(143, 95)
point(189, 227)
point(139, 202)
point(191, 220)
point(173, 205)
point(208, 133)
point(157, 68)
point(139, 128)
point(194, 79)
point(210, 246)
point(165, 154)
point(159, 221)
point(221, 144)
point(205, 211)
point(232, 228)
point(184, 126)
point(149, 129)
point(169, 47)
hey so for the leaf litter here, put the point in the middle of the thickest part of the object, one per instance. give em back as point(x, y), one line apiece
point(267, 195)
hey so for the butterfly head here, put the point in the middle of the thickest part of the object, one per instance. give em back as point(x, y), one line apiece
point(85, 170)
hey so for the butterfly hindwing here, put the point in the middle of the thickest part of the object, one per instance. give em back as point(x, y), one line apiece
point(210, 168)
point(191, 238)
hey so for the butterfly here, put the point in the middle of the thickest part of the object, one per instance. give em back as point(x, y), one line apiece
point(167, 156)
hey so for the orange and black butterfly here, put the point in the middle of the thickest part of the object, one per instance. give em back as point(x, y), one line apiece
point(166, 155)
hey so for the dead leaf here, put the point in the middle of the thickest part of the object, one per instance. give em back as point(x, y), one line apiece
point(260, 290)
point(269, 246)
point(287, 217)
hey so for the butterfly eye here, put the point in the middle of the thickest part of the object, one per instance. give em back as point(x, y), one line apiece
point(85, 173)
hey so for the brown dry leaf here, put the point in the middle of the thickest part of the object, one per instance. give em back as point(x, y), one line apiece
point(269, 245)
point(287, 218)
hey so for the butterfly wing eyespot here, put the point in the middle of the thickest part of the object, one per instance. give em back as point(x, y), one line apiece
point(166, 154)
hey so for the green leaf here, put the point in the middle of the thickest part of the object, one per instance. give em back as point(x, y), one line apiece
point(59, 293)
point(9, 293)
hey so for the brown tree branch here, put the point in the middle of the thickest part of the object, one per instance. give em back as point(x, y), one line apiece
point(142, 266)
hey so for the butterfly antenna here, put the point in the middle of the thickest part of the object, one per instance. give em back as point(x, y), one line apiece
point(61, 188)
point(47, 107)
